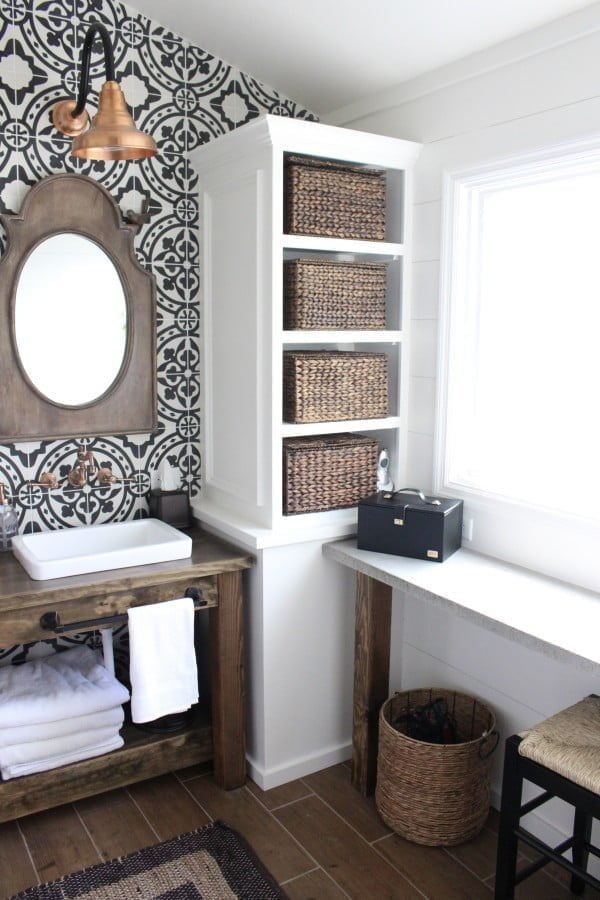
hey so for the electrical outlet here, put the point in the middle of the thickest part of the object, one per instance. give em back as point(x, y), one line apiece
point(467, 529)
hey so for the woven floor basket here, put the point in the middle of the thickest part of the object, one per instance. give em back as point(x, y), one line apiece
point(435, 794)
point(328, 472)
point(334, 199)
point(332, 385)
point(325, 294)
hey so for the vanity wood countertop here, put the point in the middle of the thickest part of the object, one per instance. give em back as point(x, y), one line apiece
point(109, 593)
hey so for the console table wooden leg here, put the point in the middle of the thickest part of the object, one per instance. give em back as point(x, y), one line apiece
point(227, 683)
point(371, 676)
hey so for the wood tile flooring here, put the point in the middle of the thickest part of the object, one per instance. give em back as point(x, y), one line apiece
point(317, 836)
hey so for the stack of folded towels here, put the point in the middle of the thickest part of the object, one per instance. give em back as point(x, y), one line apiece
point(58, 710)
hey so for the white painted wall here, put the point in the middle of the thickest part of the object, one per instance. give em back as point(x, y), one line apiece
point(549, 97)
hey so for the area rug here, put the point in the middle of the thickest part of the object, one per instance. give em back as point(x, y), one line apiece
point(212, 863)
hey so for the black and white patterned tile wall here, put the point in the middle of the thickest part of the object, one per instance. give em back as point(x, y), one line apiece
point(184, 97)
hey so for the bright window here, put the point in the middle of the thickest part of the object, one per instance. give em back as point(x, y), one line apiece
point(519, 432)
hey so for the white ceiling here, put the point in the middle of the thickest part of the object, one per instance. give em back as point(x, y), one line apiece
point(326, 54)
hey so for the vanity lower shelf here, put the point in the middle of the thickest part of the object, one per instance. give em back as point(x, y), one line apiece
point(142, 756)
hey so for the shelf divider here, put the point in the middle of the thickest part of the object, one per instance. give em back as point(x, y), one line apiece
point(291, 429)
point(342, 337)
point(383, 249)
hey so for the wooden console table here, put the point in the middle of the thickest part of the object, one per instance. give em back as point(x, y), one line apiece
point(215, 568)
point(558, 619)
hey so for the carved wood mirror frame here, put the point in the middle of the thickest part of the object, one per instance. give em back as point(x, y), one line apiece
point(77, 204)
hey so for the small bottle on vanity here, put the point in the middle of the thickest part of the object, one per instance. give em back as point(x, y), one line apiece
point(9, 521)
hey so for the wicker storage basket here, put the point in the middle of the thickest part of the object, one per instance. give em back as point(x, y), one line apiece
point(334, 199)
point(330, 385)
point(328, 472)
point(322, 294)
point(435, 793)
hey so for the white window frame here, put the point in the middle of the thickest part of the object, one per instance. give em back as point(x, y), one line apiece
point(556, 544)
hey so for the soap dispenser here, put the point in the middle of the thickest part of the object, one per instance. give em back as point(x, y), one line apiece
point(9, 521)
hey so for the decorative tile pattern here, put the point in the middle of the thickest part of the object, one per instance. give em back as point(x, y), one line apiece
point(256, 98)
point(185, 97)
point(168, 179)
point(229, 105)
point(109, 13)
point(44, 69)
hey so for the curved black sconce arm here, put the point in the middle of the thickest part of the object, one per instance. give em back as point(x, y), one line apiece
point(112, 134)
point(109, 62)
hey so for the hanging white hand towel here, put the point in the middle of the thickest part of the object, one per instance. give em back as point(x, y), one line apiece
point(162, 659)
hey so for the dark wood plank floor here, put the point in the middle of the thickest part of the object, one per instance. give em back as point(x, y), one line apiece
point(317, 835)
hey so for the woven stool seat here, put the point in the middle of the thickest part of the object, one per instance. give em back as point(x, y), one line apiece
point(569, 743)
point(561, 756)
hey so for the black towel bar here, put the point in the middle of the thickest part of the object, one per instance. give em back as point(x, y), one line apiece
point(50, 621)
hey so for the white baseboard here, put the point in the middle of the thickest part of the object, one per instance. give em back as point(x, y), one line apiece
point(267, 778)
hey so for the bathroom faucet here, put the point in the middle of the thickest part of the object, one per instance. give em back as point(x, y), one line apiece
point(84, 469)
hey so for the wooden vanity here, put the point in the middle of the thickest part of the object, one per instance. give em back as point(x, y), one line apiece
point(218, 733)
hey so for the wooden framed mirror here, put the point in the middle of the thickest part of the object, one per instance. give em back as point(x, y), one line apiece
point(78, 339)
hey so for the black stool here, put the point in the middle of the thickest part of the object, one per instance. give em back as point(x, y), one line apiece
point(561, 756)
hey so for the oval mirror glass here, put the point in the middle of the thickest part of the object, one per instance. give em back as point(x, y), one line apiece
point(70, 318)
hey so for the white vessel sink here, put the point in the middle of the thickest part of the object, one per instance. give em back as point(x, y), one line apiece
point(96, 548)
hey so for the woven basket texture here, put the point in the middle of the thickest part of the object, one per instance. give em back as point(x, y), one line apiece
point(332, 385)
point(328, 472)
point(435, 794)
point(334, 199)
point(325, 294)
point(569, 743)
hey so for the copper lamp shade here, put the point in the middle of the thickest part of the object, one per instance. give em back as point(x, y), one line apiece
point(112, 134)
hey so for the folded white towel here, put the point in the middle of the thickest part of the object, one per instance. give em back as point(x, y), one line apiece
point(42, 765)
point(72, 683)
point(162, 659)
point(19, 754)
point(25, 734)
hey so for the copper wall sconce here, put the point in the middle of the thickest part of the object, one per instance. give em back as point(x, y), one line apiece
point(112, 133)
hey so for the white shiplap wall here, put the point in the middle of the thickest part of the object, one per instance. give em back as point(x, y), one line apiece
point(525, 97)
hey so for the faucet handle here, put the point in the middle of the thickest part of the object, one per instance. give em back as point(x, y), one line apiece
point(47, 480)
point(105, 476)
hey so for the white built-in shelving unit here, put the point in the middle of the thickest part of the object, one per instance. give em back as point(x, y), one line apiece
point(244, 247)
point(298, 615)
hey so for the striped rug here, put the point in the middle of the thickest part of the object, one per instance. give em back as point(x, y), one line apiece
point(211, 863)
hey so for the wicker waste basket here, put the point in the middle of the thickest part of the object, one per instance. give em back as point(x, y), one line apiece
point(429, 793)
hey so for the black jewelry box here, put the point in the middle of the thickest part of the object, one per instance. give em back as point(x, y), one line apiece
point(407, 523)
